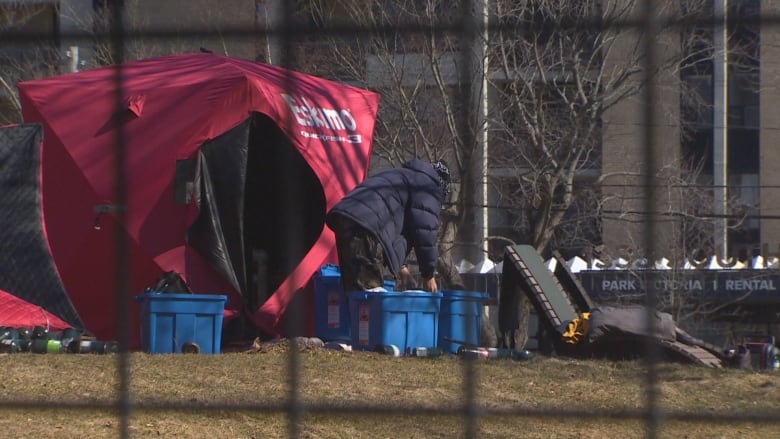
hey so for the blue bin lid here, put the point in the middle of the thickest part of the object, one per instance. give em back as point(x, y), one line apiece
point(467, 295)
point(330, 270)
point(358, 295)
point(192, 297)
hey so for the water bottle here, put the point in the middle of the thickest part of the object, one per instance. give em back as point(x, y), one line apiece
point(25, 345)
point(389, 349)
point(338, 346)
point(499, 353)
point(312, 342)
point(110, 347)
point(54, 347)
point(97, 347)
point(9, 334)
point(24, 334)
point(70, 339)
point(43, 346)
point(38, 346)
point(479, 353)
point(72, 346)
point(94, 347)
point(426, 352)
point(39, 332)
point(522, 354)
point(9, 346)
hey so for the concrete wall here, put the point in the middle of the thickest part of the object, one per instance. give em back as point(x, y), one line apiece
point(184, 19)
point(155, 28)
point(624, 158)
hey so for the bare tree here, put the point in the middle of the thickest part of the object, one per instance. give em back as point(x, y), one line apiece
point(694, 237)
point(556, 67)
point(27, 51)
point(418, 69)
point(41, 36)
point(559, 67)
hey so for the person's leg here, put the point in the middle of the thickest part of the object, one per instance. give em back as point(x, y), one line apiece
point(348, 271)
point(361, 259)
point(368, 257)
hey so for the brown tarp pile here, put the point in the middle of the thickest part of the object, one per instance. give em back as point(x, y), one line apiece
point(579, 327)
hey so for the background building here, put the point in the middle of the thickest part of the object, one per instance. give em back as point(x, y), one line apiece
point(735, 152)
point(685, 131)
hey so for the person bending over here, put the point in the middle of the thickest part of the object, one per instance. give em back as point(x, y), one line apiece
point(385, 217)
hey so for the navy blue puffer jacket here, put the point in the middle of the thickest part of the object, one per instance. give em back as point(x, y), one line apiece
point(401, 208)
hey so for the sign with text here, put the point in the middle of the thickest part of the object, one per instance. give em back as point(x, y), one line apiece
point(746, 286)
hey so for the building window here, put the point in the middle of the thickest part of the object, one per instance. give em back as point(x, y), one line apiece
point(743, 140)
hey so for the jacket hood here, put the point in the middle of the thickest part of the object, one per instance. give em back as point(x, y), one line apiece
point(424, 167)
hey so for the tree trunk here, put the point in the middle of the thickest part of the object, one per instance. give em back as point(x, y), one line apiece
point(518, 338)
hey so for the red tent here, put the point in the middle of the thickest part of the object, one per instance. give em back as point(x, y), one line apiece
point(222, 157)
point(18, 313)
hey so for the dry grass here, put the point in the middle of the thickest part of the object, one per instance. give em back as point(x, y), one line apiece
point(181, 395)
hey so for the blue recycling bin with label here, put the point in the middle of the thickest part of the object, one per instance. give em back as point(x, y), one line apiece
point(405, 319)
point(331, 314)
point(181, 323)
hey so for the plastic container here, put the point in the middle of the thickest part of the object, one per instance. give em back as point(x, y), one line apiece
point(44, 346)
point(95, 347)
point(10, 346)
point(477, 352)
point(460, 321)
point(763, 352)
point(389, 349)
point(426, 352)
point(407, 319)
point(176, 323)
point(331, 307)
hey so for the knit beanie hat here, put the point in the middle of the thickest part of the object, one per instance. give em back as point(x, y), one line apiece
point(445, 179)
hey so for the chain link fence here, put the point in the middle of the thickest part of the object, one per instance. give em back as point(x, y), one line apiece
point(324, 37)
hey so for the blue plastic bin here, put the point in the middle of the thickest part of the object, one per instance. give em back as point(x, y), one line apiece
point(175, 323)
point(406, 319)
point(460, 319)
point(331, 308)
point(331, 305)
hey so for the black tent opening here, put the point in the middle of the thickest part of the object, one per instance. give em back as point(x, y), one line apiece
point(27, 269)
point(262, 206)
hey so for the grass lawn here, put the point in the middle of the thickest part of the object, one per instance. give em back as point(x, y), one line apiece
point(369, 395)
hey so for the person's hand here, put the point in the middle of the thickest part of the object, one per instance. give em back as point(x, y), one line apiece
point(405, 281)
point(430, 285)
